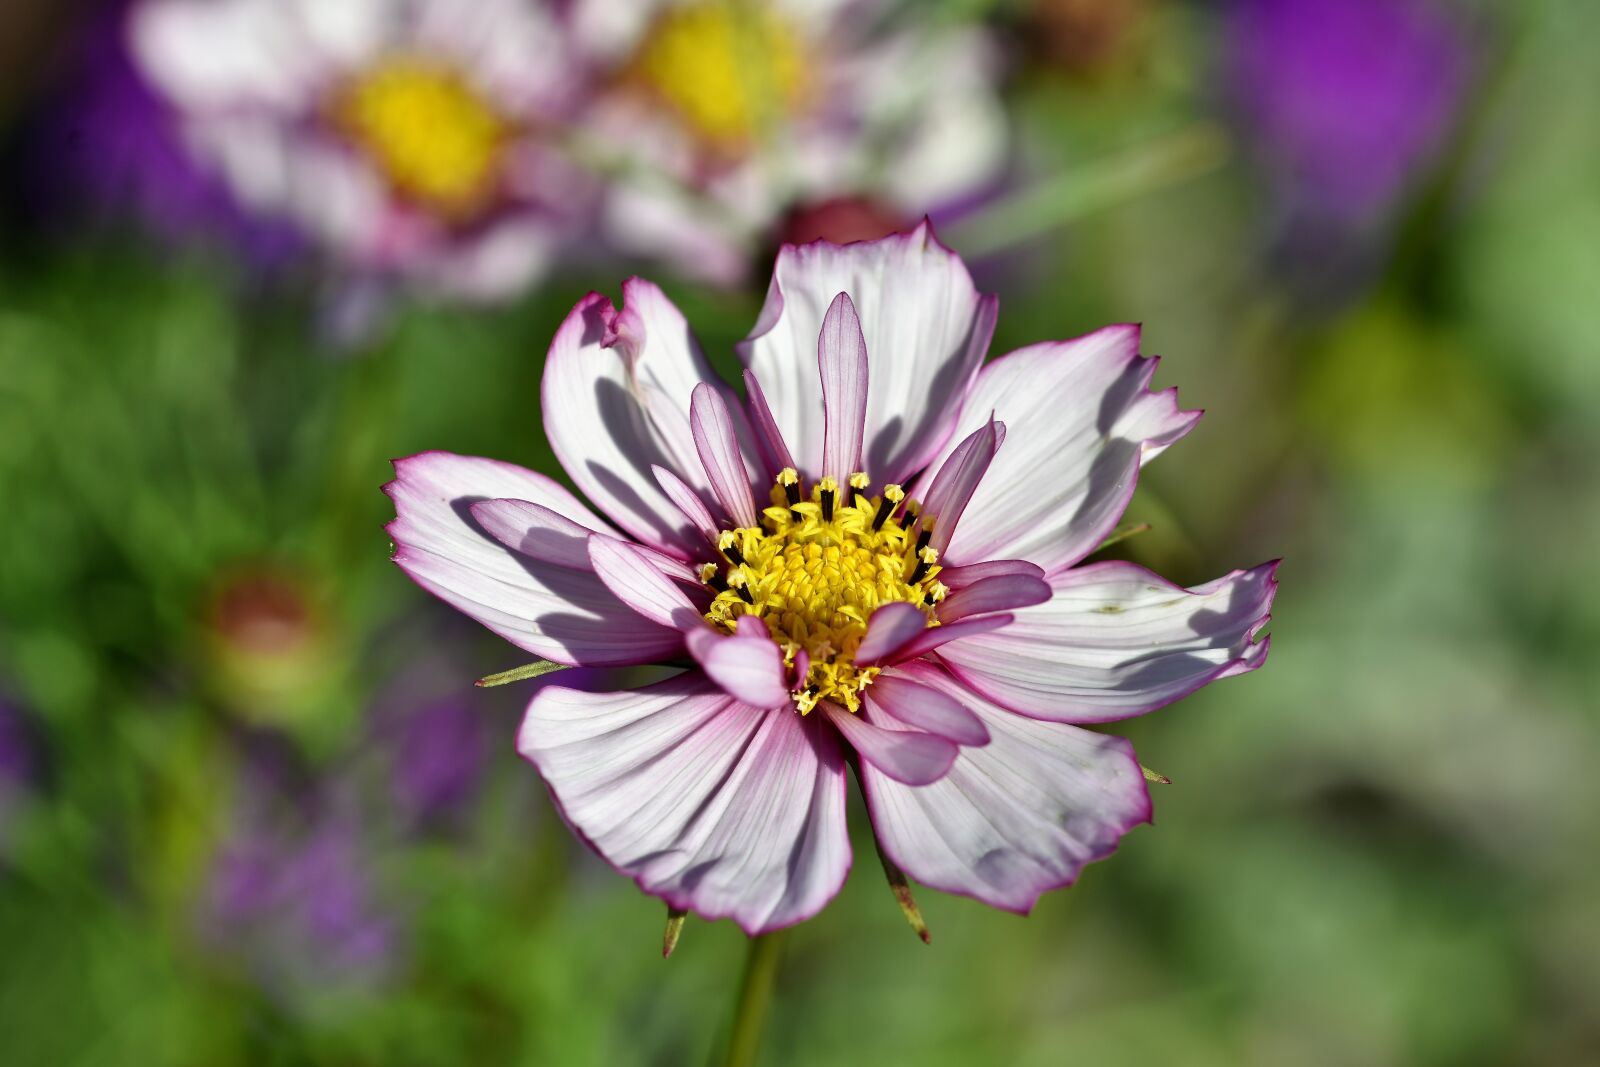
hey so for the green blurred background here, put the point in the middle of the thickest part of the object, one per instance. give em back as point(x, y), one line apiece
point(252, 809)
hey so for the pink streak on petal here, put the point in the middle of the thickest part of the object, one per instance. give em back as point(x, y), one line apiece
point(932, 638)
point(630, 574)
point(748, 666)
point(890, 628)
point(1002, 592)
point(907, 756)
point(842, 359)
point(567, 616)
point(687, 501)
point(953, 486)
point(544, 534)
point(924, 708)
point(537, 532)
point(774, 450)
point(972, 573)
point(714, 439)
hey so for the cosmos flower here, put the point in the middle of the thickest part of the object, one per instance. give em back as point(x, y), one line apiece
point(872, 560)
point(1347, 99)
point(723, 117)
point(397, 134)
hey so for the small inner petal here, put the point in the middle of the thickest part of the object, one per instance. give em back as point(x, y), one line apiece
point(814, 570)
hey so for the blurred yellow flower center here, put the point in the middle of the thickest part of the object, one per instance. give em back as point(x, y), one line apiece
point(728, 69)
point(436, 140)
point(815, 570)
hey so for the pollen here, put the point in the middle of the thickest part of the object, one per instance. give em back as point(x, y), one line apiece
point(815, 570)
point(436, 140)
point(728, 70)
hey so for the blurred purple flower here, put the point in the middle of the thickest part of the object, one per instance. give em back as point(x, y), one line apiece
point(112, 142)
point(1348, 98)
point(19, 763)
point(441, 751)
point(290, 891)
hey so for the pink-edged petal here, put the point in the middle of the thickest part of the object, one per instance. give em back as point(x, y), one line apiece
point(907, 756)
point(561, 614)
point(688, 503)
point(616, 394)
point(939, 636)
point(769, 439)
point(1016, 817)
point(926, 329)
point(536, 531)
point(545, 535)
point(973, 573)
point(842, 361)
point(897, 695)
point(890, 628)
point(746, 665)
point(959, 476)
point(1081, 421)
point(1116, 640)
point(716, 807)
point(629, 573)
point(1001, 592)
point(718, 447)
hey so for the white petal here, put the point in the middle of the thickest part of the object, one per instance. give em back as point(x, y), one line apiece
point(926, 329)
point(1015, 817)
point(616, 395)
point(1080, 420)
point(1115, 641)
point(561, 614)
point(717, 807)
point(233, 53)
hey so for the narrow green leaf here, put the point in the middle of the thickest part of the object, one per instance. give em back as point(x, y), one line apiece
point(517, 674)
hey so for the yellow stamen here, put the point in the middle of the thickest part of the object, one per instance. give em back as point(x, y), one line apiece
point(815, 573)
point(729, 69)
point(434, 138)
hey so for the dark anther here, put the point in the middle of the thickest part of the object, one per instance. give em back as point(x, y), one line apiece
point(883, 513)
point(827, 505)
point(718, 582)
point(923, 538)
point(744, 594)
point(734, 555)
point(792, 491)
point(917, 572)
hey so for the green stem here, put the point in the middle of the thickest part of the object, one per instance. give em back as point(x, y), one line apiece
point(755, 996)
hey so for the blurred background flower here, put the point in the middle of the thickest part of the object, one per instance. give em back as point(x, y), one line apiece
point(724, 116)
point(1377, 850)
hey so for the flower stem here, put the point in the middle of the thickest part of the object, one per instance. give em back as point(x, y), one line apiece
point(755, 996)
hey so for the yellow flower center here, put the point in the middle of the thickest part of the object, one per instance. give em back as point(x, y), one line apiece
point(729, 69)
point(815, 570)
point(435, 139)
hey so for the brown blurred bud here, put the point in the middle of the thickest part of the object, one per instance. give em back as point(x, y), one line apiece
point(267, 643)
point(1086, 38)
point(842, 220)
